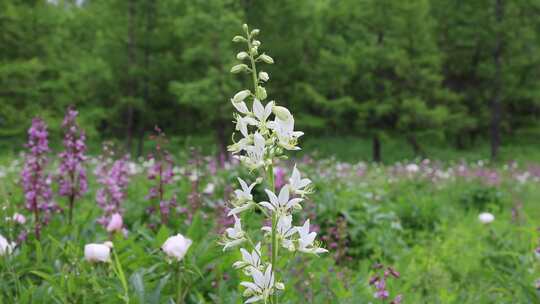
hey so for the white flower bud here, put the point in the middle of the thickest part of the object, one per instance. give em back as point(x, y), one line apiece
point(239, 68)
point(256, 43)
point(245, 27)
point(242, 55)
point(255, 32)
point(266, 59)
point(176, 246)
point(97, 252)
point(261, 93)
point(264, 76)
point(486, 218)
point(239, 39)
point(240, 96)
point(282, 113)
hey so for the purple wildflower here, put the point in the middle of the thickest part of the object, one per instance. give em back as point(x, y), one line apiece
point(114, 181)
point(280, 180)
point(36, 183)
point(72, 173)
point(380, 282)
point(160, 171)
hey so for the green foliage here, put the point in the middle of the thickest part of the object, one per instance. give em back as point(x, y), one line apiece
point(366, 68)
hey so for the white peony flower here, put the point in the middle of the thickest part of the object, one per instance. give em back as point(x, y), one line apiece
point(176, 246)
point(486, 217)
point(98, 252)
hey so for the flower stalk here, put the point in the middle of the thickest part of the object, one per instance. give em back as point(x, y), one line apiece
point(265, 140)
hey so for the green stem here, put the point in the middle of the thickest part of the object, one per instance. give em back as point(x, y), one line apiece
point(179, 297)
point(253, 67)
point(271, 184)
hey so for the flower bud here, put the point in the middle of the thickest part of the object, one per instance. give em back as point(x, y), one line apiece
point(486, 217)
point(245, 27)
point(261, 93)
point(239, 39)
point(242, 55)
point(240, 96)
point(239, 68)
point(256, 43)
point(97, 252)
point(264, 76)
point(266, 59)
point(282, 113)
point(176, 246)
point(255, 32)
point(116, 223)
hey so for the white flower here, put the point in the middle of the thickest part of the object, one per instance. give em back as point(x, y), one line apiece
point(249, 260)
point(98, 252)
point(412, 168)
point(486, 217)
point(176, 246)
point(238, 101)
point(5, 246)
point(242, 123)
point(305, 242)
point(255, 153)
point(264, 76)
point(209, 189)
point(285, 230)
point(282, 113)
point(241, 96)
point(281, 204)
point(284, 130)
point(244, 199)
point(234, 236)
point(262, 287)
point(19, 218)
point(260, 112)
point(297, 183)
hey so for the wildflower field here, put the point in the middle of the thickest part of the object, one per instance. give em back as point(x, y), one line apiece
point(249, 226)
point(419, 218)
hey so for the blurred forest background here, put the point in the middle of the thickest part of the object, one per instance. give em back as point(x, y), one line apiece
point(452, 71)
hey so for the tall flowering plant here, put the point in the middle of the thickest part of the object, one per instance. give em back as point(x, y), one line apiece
point(114, 179)
point(72, 173)
point(35, 181)
point(160, 172)
point(267, 132)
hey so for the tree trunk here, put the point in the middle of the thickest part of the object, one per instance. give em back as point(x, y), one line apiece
point(497, 91)
point(417, 149)
point(131, 82)
point(376, 145)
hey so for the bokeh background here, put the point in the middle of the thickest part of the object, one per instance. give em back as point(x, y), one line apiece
point(365, 79)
